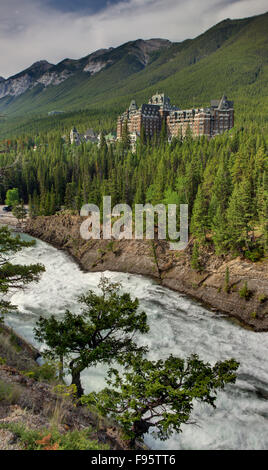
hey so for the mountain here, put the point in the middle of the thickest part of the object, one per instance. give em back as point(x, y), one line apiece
point(18, 84)
point(46, 74)
point(231, 58)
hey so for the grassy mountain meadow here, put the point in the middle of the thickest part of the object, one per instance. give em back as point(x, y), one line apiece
point(230, 58)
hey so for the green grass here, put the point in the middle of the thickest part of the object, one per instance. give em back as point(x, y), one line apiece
point(52, 439)
point(9, 393)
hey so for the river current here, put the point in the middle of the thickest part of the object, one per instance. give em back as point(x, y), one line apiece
point(178, 325)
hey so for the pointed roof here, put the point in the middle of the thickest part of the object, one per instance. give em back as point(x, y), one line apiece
point(223, 103)
point(133, 106)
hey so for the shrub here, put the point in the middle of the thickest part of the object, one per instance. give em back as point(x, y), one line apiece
point(65, 391)
point(46, 372)
point(110, 246)
point(253, 256)
point(255, 253)
point(2, 361)
point(262, 298)
point(245, 293)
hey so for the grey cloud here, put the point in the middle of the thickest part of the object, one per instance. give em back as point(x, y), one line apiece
point(30, 30)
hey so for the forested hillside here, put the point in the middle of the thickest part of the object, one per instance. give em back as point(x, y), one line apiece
point(224, 181)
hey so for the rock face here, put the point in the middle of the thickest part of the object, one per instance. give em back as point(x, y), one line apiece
point(96, 62)
point(18, 84)
point(171, 268)
point(146, 48)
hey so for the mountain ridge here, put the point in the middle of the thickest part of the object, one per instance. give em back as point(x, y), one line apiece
point(44, 73)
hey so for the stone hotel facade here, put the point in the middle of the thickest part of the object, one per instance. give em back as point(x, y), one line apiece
point(209, 121)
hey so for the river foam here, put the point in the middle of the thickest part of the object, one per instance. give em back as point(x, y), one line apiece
point(179, 326)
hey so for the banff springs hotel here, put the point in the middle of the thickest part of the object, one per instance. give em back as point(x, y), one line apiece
point(210, 121)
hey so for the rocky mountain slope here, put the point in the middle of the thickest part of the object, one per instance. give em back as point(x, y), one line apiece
point(45, 74)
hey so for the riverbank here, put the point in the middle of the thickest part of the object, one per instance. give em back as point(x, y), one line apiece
point(170, 268)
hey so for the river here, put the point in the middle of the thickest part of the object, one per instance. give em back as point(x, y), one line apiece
point(178, 325)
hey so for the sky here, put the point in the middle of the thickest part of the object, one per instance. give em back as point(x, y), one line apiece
point(33, 30)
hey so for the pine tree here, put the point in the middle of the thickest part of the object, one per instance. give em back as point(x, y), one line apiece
point(227, 280)
point(195, 258)
point(19, 211)
point(103, 145)
point(220, 232)
point(221, 190)
point(125, 136)
point(52, 202)
point(199, 221)
point(263, 210)
point(239, 216)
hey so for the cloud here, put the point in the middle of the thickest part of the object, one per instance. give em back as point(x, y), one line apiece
point(31, 30)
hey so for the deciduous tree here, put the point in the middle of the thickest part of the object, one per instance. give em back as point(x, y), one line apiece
point(103, 331)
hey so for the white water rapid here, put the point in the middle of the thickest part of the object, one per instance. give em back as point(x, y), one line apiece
point(179, 326)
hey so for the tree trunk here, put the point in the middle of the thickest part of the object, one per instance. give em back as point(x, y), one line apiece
point(61, 369)
point(139, 428)
point(76, 371)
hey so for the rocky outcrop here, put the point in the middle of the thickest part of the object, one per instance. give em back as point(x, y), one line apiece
point(172, 269)
point(146, 48)
point(18, 84)
point(95, 62)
